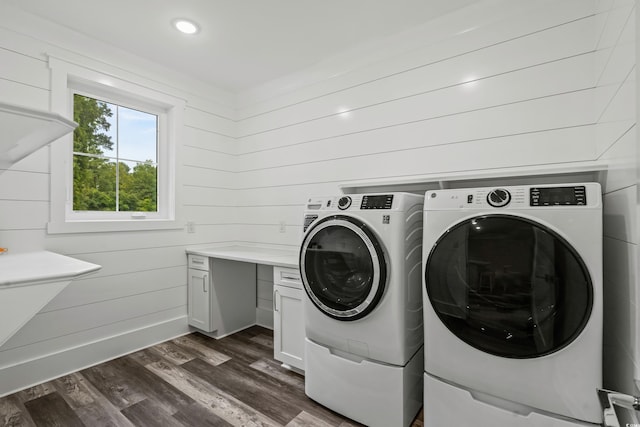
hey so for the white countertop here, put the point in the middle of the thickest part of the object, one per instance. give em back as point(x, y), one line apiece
point(275, 257)
point(40, 267)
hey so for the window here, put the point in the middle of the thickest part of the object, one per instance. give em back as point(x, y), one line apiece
point(117, 171)
point(115, 158)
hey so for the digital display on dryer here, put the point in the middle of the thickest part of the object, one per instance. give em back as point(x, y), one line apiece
point(558, 196)
point(377, 202)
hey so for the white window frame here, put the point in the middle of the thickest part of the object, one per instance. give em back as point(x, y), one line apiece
point(67, 79)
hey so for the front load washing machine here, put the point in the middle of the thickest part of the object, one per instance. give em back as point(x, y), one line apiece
point(360, 263)
point(513, 306)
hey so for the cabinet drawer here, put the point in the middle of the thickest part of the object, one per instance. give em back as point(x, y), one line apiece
point(198, 262)
point(289, 277)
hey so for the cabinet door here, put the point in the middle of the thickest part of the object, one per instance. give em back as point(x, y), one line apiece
point(288, 326)
point(199, 301)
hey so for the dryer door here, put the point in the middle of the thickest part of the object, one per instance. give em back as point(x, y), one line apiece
point(343, 267)
point(509, 286)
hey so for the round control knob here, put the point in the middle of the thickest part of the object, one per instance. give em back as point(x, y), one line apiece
point(499, 198)
point(344, 202)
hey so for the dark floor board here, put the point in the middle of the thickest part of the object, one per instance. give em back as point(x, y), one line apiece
point(13, 413)
point(147, 413)
point(256, 342)
point(192, 380)
point(35, 392)
point(267, 400)
point(52, 410)
point(88, 403)
point(304, 419)
point(170, 351)
point(275, 369)
point(263, 339)
point(242, 349)
point(222, 404)
point(113, 384)
point(151, 385)
point(198, 416)
point(146, 356)
point(205, 353)
point(255, 330)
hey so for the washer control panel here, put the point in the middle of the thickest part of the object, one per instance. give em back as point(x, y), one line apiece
point(558, 196)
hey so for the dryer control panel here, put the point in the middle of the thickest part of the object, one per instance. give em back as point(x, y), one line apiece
point(558, 196)
point(568, 195)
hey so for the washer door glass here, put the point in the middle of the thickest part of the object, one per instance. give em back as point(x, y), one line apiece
point(343, 267)
point(509, 286)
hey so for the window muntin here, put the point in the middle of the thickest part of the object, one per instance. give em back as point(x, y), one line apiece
point(115, 157)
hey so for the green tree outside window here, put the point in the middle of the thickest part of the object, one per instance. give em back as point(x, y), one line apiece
point(114, 158)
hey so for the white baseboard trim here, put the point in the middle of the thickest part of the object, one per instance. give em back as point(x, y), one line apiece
point(54, 365)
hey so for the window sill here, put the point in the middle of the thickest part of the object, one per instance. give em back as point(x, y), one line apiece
point(112, 226)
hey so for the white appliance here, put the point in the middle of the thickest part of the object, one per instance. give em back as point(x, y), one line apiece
point(513, 306)
point(360, 263)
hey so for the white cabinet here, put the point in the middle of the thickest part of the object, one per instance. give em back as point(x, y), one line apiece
point(221, 295)
point(199, 287)
point(288, 319)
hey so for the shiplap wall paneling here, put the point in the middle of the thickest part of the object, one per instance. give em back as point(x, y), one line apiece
point(636, 302)
point(95, 289)
point(24, 188)
point(264, 295)
point(569, 42)
point(263, 208)
point(209, 176)
point(24, 94)
point(80, 350)
point(139, 296)
point(520, 118)
point(62, 322)
point(570, 77)
point(616, 140)
point(493, 23)
point(515, 91)
point(544, 147)
point(620, 313)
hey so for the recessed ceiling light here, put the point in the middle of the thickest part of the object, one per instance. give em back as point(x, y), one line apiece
point(186, 26)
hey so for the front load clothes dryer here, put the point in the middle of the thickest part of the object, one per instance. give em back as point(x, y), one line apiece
point(513, 306)
point(360, 264)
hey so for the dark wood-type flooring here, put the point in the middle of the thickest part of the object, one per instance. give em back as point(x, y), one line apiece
point(189, 381)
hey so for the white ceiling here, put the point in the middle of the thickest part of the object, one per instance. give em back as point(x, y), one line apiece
point(242, 43)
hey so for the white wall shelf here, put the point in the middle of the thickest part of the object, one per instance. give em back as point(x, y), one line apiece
point(558, 172)
point(29, 281)
point(25, 130)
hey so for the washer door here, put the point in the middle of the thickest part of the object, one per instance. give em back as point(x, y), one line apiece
point(509, 286)
point(343, 267)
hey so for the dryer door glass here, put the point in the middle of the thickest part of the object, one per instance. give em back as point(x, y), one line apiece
point(343, 268)
point(509, 286)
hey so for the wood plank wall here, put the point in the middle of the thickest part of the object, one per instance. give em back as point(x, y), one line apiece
point(616, 141)
point(496, 85)
point(139, 296)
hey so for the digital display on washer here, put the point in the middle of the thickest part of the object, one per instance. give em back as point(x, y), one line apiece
point(558, 196)
point(377, 202)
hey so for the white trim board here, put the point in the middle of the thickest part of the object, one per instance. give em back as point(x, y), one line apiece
point(591, 170)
